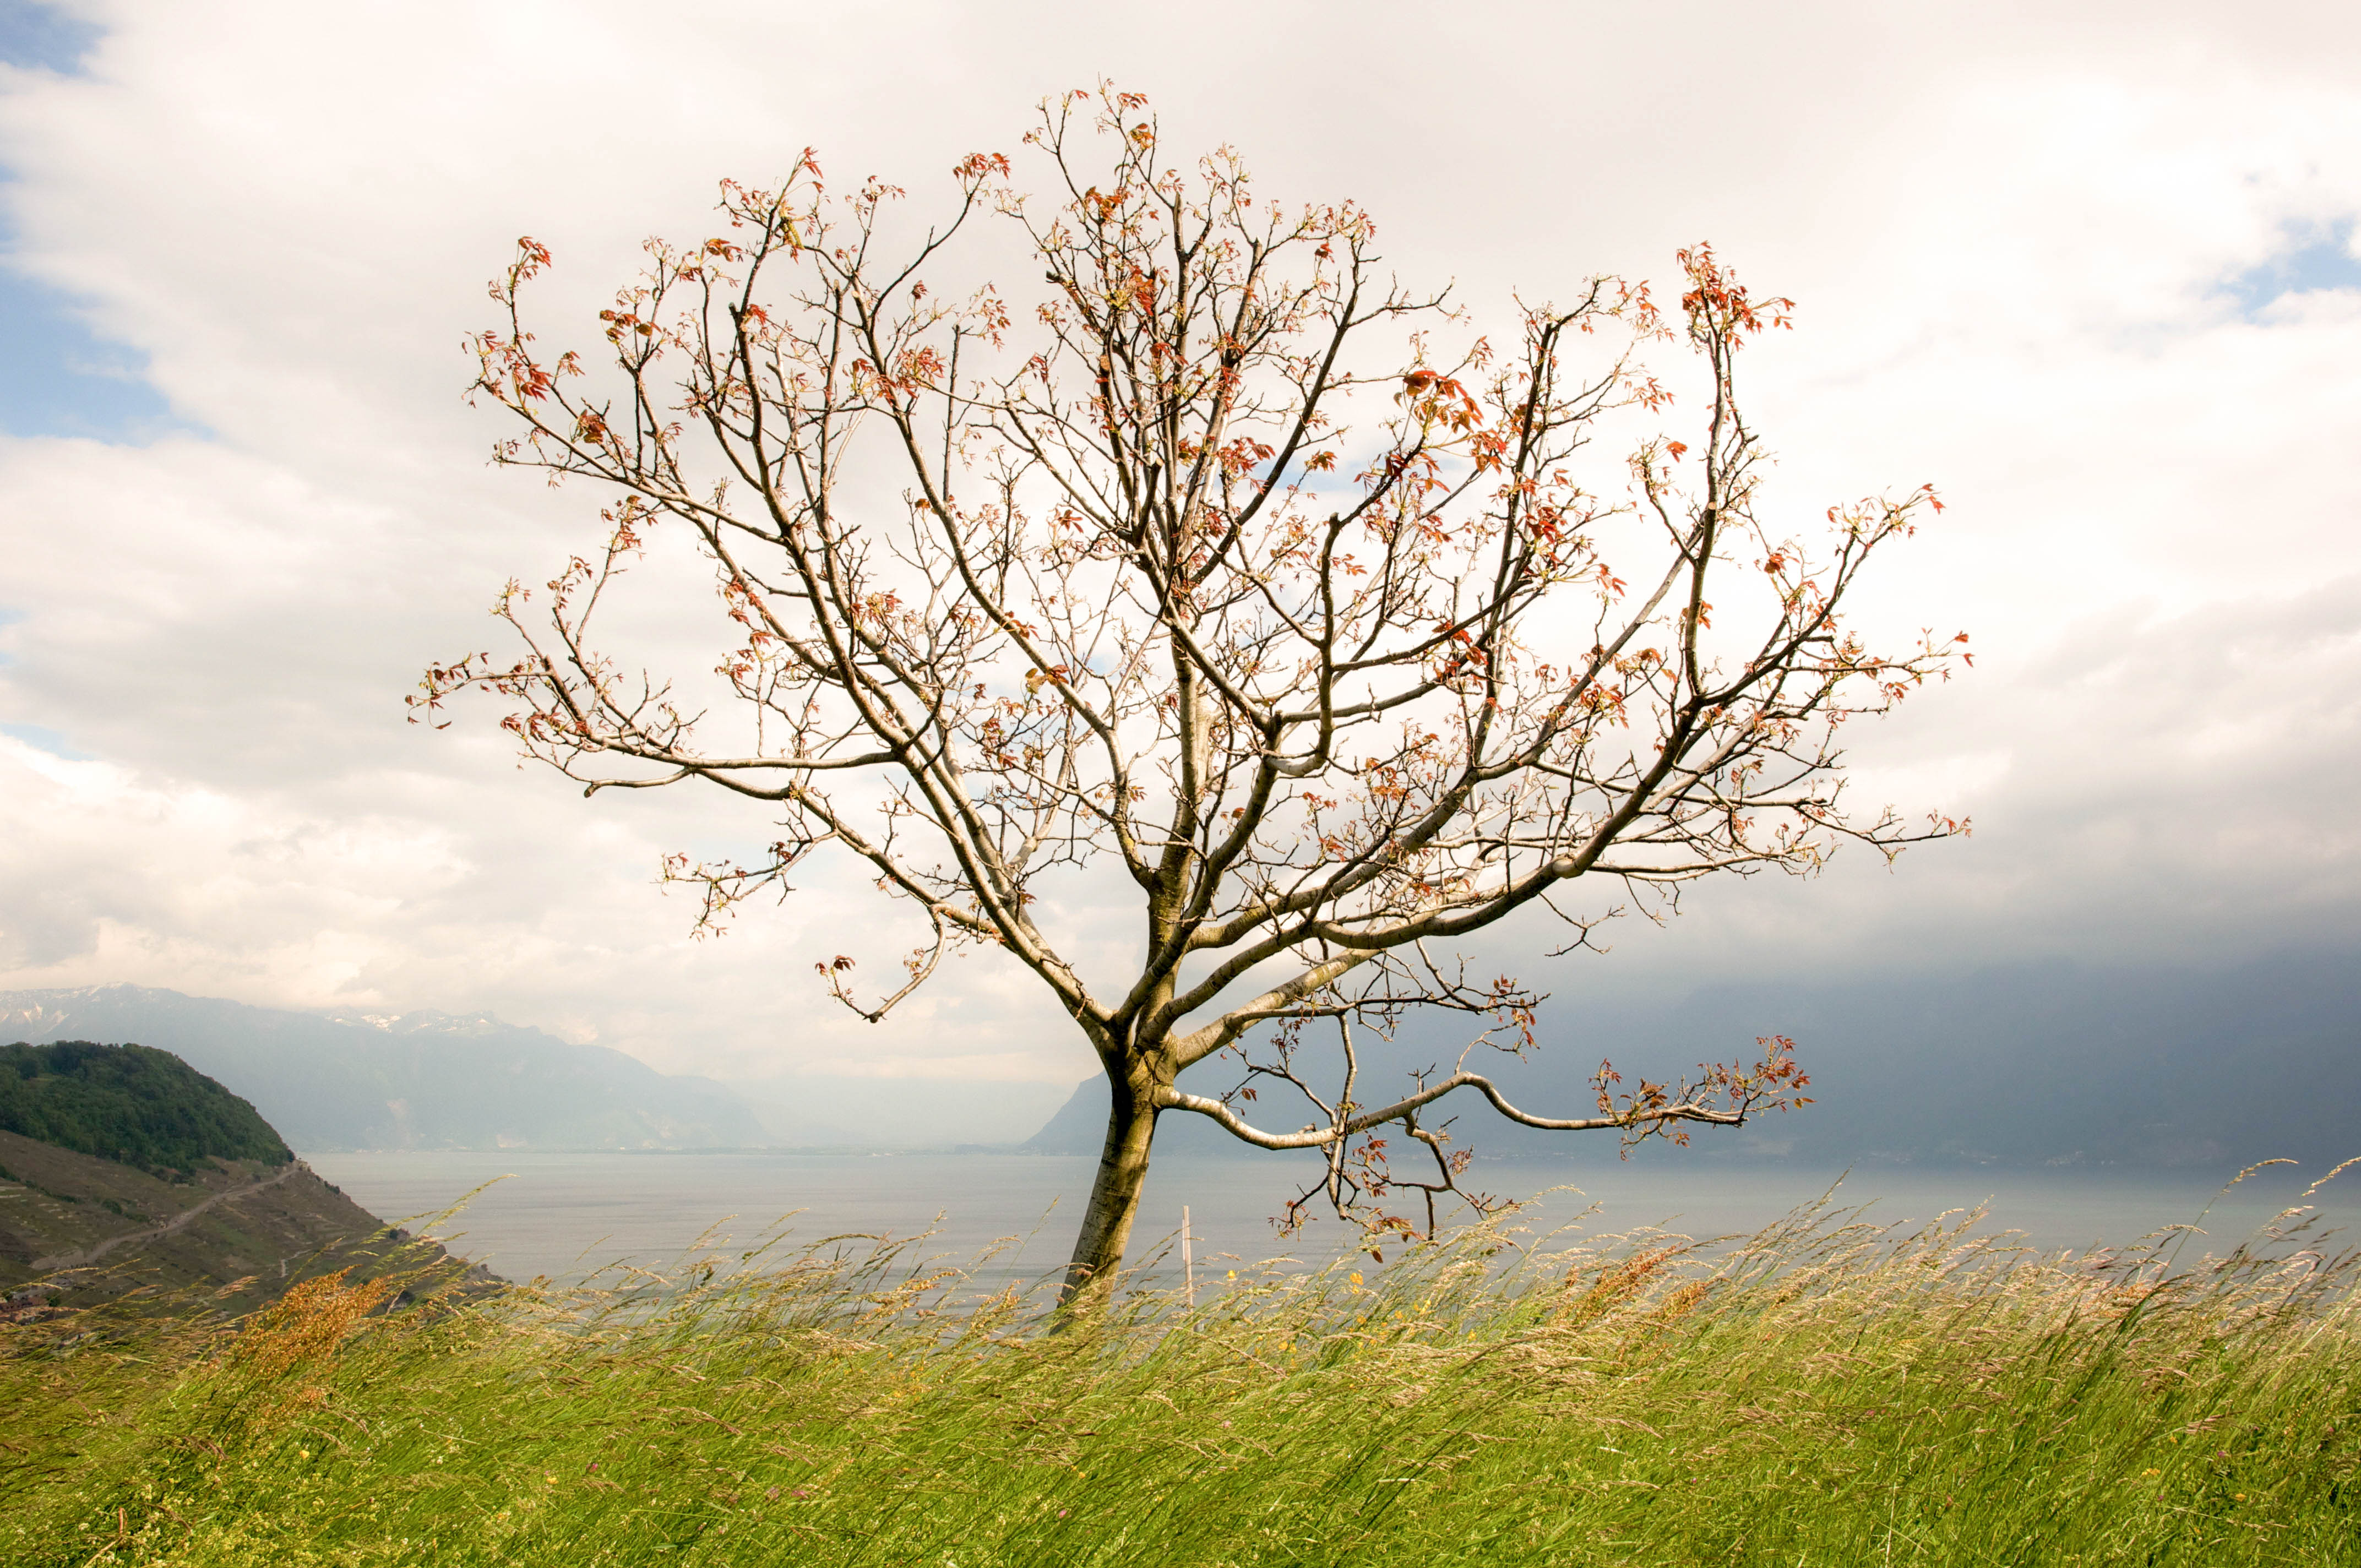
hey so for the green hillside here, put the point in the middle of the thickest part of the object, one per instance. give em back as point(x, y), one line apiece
point(139, 1107)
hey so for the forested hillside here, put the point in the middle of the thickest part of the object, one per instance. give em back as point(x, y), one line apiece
point(130, 1104)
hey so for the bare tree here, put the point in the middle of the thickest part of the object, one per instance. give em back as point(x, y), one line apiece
point(1335, 695)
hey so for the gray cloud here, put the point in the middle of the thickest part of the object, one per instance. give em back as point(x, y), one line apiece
point(2009, 231)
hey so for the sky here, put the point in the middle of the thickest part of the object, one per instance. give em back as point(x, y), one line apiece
point(2091, 270)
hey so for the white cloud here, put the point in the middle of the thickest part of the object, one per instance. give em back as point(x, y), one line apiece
point(2008, 229)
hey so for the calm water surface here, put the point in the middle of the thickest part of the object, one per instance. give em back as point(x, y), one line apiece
point(565, 1215)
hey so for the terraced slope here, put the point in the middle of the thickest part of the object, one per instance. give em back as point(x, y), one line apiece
point(86, 1230)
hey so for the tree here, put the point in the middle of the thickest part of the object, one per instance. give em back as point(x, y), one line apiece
point(1332, 695)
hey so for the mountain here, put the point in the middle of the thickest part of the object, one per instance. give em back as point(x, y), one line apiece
point(122, 1169)
point(828, 1112)
point(1080, 1128)
point(419, 1080)
point(2036, 1064)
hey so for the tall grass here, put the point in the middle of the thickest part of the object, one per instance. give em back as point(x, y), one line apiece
point(1827, 1392)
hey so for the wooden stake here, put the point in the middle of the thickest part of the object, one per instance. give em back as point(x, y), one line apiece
point(1188, 1262)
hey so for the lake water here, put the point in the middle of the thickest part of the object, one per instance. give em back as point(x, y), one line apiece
point(565, 1215)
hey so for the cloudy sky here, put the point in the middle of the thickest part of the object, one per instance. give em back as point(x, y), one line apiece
point(2090, 269)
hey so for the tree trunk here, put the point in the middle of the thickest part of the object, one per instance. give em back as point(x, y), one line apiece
point(1115, 1193)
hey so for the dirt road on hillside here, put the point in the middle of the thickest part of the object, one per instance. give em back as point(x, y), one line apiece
point(89, 1256)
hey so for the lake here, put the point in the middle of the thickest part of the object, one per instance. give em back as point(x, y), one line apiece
point(565, 1215)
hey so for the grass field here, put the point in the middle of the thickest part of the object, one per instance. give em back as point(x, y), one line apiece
point(1825, 1394)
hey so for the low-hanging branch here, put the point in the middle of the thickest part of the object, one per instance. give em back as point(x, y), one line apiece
point(1315, 1136)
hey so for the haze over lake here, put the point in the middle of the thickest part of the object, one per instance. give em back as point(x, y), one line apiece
point(564, 1215)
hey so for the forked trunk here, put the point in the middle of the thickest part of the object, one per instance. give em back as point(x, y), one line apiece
point(1114, 1191)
